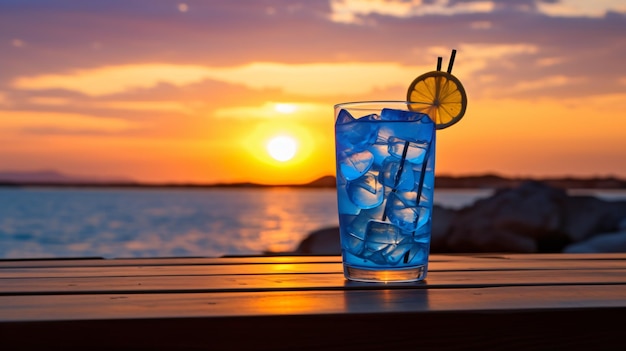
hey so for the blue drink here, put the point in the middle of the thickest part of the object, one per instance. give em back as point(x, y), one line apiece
point(385, 156)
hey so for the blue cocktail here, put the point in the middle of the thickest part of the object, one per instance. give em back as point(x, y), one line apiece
point(385, 157)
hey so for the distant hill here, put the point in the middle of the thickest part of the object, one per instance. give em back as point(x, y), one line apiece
point(324, 182)
point(53, 177)
point(489, 181)
point(35, 177)
point(496, 181)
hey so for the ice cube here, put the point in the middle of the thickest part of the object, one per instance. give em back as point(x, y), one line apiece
point(383, 135)
point(386, 244)
point(388, 114)
point(421, 234)
point(402, 252)
point(356, 136)
point(413, 151)
point(380, 148)
point(353, 244)
point(354, 165)
point(352, 233)
point(380, 153)
point(423, 217)
point(403, 211)
point(366, 191)
point(358, 224)
point(344, 117)
point(380, 237)
point(345, 205)
point(376, 212)
point(397, 175)
point(372, 117)
point(411, 252)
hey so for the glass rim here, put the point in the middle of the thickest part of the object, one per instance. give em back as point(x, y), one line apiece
point(355, 104)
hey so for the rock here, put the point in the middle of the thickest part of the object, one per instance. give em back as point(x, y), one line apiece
point(321, 242)
point(608, 242)
point(585, 216)
point(442, 221)
point(532, 217)
point(511, 220)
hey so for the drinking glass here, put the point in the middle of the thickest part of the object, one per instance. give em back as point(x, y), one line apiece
point(385, 157)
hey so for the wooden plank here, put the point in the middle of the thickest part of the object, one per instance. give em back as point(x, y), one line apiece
point(161, 261)
point(295, 265)
point(299, 267)
point(435, 259)
point(243, 282)
point(548, 256)
point(561, 301)
point(139, 271)
point(507, 299)
point(184, 261)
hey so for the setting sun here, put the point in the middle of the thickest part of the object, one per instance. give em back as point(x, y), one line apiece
point(282, 148)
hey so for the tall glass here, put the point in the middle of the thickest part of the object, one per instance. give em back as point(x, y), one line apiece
point(385, 159)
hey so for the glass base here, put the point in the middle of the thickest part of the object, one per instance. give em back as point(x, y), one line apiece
point(360, 274)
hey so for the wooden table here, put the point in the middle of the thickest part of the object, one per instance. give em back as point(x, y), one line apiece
point(488, 301)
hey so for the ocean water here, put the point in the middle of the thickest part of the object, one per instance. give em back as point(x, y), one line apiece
point(114, 223)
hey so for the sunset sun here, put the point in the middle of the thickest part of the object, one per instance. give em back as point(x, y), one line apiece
point(282, 148)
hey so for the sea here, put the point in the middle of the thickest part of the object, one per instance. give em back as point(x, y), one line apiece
point(178, 222)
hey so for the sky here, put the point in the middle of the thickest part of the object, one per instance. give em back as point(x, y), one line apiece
point(194, 91)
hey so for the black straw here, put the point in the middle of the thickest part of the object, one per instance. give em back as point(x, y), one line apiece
point(396, 180)
point(451, 61)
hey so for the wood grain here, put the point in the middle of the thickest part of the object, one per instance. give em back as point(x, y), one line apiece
point(495, 301)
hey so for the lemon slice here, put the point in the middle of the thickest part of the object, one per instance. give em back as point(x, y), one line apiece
point(440, 95)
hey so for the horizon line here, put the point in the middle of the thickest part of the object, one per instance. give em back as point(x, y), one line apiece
point(484, 180)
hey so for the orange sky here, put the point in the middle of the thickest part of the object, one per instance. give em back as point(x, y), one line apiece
point(167, 91)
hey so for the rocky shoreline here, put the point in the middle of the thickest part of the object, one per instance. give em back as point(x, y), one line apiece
point(532, 217)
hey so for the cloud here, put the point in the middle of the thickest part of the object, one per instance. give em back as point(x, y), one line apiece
point(114, 79)
point(3, 99)
point(315, 79)
point(18, 43)
point(481, 25)
point(480, 65)
point(272, 110)
point(481, 57)
point(350, 11)
point(170, 106)
point(50, 101)
point(549, 61)
point(223, 33)
point(182, 7)
point(319, 79)
point(581, 8)
point(552, 81)
point(32, 122)
point(494, 51)
point(355, 11)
